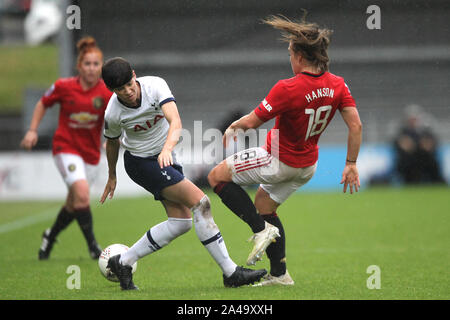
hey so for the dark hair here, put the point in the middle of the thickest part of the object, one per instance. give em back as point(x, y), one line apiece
point(306, 38)
point(116, 72)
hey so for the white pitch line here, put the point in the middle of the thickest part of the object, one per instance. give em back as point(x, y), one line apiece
point(28, 221)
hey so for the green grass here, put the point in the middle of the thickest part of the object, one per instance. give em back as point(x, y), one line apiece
point(23, 66)
point(331, 240)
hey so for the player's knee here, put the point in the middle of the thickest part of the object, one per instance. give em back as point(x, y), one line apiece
point(212, 178)
point(203, 207)
point(81, 201)
point(220, 173)
point(80, 205)
point(80, 195)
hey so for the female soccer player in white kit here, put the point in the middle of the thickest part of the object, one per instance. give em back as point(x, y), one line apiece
point(142, 112)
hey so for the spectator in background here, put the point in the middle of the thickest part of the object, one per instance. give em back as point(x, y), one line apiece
point(415, 147)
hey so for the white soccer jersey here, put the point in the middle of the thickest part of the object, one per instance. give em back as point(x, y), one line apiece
point(143, 130)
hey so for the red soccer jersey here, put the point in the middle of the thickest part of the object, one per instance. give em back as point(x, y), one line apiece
point(80, 117)
point(303, 106)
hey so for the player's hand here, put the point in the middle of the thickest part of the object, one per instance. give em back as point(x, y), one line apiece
point(350, 178)
point(165, 158)
point(30, 140)
point(229, 133)
point(109, 189)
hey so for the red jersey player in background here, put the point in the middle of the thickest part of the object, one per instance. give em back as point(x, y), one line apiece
point(303, 107)
point(77, 140)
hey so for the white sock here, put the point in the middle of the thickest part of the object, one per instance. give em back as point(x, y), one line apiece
point(157, 237)
point(209, 234)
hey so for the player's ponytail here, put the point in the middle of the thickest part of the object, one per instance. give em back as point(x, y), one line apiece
point(85, 45)
point(307, 38)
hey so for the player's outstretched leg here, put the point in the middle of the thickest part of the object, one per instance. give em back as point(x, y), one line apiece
point(156, 238)
point(238, 201)
point(123, 272)
point(209, 234)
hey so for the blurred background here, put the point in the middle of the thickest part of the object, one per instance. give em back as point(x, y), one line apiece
point(220, 61)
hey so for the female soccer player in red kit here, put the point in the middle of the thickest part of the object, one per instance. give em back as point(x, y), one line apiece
point(77, 140)
point(303, 107)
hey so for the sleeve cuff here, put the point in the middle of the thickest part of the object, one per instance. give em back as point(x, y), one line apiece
point(112, 138)
point(166, 100)
point(260, 113)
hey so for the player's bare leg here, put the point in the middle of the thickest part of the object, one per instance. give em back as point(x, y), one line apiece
point(276, 252)
point(264, 203)
point(220, 173)
point(176, 210)
point(184, 192)
point(79, 195)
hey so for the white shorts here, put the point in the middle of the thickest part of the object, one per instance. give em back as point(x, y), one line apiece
point(72, 168)
point(257, 166)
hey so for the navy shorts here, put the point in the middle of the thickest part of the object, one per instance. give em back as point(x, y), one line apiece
point(147, 173)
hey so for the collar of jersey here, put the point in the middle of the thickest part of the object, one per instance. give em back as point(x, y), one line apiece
point(312, 74)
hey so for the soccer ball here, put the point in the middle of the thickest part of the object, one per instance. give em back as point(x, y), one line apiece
point(108, 252)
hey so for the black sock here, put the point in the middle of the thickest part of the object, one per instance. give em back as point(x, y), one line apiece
point(238, 201)
point(276, 251)
point(63, 219)
point(84, 219)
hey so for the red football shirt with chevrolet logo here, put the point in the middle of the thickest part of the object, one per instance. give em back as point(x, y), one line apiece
point(80, 117)
point(303, 106)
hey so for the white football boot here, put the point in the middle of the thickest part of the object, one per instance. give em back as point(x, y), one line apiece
point(270, 280)
point(261, 241)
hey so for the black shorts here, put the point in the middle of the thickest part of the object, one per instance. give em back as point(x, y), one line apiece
point(147, 173)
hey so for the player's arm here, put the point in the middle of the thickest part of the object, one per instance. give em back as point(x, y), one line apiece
point(350, 176)
point(249, 121)
point(112, 154)
point(172, 116)
point(31, 137)
point(275, 103)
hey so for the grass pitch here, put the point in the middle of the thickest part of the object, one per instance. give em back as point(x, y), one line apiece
point(332, 238)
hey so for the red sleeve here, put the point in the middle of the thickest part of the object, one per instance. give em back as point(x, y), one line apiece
point(52, 95)
point(276, 102)
point(347, 99)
